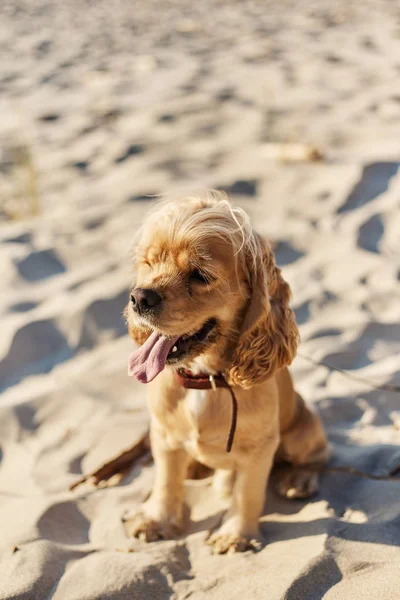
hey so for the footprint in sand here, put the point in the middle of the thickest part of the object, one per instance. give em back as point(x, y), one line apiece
point(103, 316)
point(370, 234)
point(40, 265)
point(286, 254)
point(131, 150)
point(241, 187)
point(36, 348)
point(374, 181)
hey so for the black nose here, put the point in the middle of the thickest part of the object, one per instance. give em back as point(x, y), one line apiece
point(145, 300)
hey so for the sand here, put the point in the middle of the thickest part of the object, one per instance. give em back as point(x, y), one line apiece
point(104, 105)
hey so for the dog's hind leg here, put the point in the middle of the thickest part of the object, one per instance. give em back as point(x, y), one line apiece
point(303, 443)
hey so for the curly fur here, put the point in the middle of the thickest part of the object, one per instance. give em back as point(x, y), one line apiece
point(269, 336)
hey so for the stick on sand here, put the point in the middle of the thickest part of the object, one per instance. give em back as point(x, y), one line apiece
point(117, 465)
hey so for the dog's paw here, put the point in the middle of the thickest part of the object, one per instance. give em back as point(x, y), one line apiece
point(297, 484)
point(231, 538)
point(230, 543)
point(146, 529)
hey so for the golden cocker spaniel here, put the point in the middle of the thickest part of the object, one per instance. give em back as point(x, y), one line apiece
point(209, 300)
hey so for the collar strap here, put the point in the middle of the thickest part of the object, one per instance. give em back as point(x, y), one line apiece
point(210, 382)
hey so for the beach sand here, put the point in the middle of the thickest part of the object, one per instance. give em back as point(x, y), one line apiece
point(103, 106)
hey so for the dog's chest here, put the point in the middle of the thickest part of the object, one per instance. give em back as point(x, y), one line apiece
point(207, 421)
point(196, 403)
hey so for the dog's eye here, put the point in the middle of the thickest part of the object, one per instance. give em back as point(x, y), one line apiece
point(197, 276)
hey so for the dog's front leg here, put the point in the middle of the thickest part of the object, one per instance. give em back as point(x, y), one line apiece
point(240, 529)
point(161, 515)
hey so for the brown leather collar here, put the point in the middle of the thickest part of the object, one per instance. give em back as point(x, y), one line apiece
point(210, 382)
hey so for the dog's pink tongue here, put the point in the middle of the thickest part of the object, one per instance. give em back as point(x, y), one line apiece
point(149, 360)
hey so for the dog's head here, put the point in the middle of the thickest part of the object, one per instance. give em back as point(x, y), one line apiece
point(207, 291)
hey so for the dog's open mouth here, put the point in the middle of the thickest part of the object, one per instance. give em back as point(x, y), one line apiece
point(158, 350)
point(185, 343)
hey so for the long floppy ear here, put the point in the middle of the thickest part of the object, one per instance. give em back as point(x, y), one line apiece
point(269, 336)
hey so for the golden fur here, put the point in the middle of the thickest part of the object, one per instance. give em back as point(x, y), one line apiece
point(269, 336)
point(254, 340)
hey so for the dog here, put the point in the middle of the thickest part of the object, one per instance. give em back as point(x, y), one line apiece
point(208, 305)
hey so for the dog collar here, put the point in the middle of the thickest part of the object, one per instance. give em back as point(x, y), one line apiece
point(204, 381)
